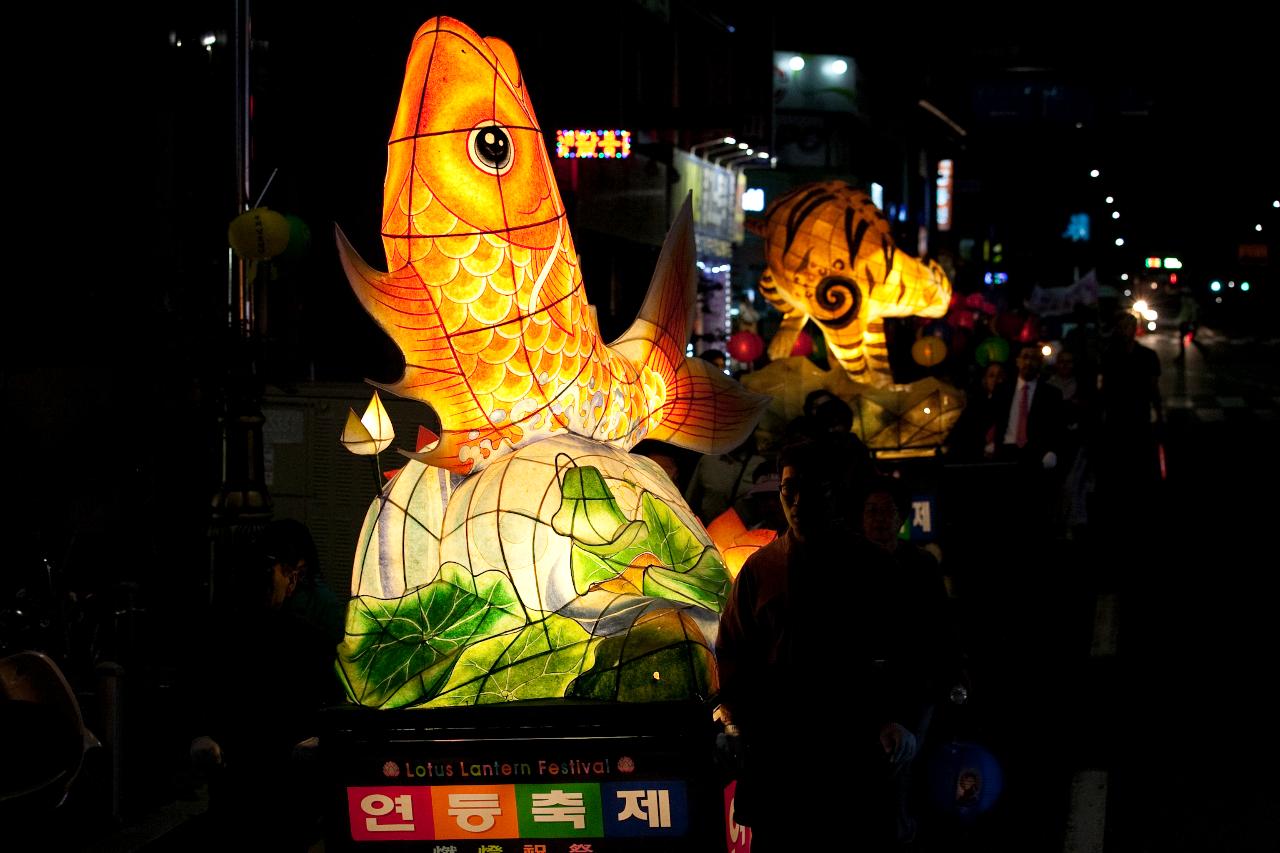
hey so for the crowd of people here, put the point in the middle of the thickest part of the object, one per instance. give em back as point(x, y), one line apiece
point(841, 619)
point(1075, 442)
point(1083, 432)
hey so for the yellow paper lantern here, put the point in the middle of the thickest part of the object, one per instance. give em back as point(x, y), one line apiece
point(929, 350)
point(259, 234)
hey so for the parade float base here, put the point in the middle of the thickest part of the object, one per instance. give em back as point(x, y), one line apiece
point(544, 777)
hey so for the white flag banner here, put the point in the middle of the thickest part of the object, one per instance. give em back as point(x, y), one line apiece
point(1051, 301)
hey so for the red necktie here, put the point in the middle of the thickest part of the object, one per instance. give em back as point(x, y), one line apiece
point(1024, 410)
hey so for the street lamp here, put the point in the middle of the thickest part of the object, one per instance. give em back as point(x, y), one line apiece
point(762, 161)
point(713, 143)
point(724, 161)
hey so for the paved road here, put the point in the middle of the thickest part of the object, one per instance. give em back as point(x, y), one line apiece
point(1124, 680)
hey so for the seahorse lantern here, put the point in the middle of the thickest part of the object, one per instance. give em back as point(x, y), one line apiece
point(830, 257)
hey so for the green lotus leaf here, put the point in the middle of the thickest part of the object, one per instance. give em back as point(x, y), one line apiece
point(705, 583)
point(397, 652)
point(537, 661)
point(662, 657)
point(678, 566)
point(588, 512)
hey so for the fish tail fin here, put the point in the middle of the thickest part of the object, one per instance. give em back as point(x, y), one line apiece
point(706, 410)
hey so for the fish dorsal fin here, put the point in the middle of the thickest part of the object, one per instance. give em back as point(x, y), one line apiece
point(506, 58)
point(703, 410)
point(658, 336)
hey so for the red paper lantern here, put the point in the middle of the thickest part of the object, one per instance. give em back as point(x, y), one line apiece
point(961, 318)
point(803, 346)
point(1030, 331)
point(746, 346)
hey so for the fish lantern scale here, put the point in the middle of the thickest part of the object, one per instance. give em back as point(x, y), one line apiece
point(525, 554)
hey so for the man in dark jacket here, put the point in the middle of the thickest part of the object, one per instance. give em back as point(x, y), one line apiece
point(816, 669)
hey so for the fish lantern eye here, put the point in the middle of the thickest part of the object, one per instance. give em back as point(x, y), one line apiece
point(489, 147)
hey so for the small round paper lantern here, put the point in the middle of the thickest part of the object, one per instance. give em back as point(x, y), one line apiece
point(961, 318)
point(803, 346)
point(745, 346)
point(964, 780)
point(929, 350)
point(992, 349)
point(259, 234)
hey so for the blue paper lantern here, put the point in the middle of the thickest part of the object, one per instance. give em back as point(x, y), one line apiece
point(964, 780)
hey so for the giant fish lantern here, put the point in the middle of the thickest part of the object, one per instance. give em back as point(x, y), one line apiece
point(830, 257)
point(525, 554)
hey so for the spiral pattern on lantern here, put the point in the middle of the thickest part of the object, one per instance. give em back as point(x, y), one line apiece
point(839, 301)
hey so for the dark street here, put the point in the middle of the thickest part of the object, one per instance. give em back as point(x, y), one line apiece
point(206, 200)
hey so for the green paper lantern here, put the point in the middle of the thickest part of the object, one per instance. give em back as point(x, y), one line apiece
point(993, 349)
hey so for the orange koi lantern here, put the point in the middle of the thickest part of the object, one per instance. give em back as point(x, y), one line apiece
point(521, 552)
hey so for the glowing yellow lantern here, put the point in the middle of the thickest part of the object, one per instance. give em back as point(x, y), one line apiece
point(929, 350)
point(831, 258)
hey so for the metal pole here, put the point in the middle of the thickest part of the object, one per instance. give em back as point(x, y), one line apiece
point(242, 505)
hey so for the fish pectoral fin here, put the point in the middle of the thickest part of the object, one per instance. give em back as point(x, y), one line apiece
point(707, 411)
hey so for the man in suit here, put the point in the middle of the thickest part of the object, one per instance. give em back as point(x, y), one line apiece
point(1028, 430)
point(1028, 423)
